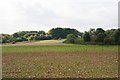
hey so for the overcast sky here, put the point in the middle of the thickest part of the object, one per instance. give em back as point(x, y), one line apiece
point(25, 15)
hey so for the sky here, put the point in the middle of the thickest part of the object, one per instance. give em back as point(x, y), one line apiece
point(36, 15)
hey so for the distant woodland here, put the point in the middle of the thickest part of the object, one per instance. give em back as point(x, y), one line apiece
point(94, 36)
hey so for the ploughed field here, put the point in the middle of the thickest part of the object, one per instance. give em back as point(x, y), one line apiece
point(60, 61)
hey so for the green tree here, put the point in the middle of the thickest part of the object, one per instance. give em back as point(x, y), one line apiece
point(100, 37)
point(18, 39)
point(86, 37)
point(12, 39)
point(35, 37)
point(48, 37)
point(42, 37)
point(31, 38)
point(41, 32)
point(117, 35)
point(99, 30)
point(71, 38)
point(110, 33)
point(6, 38)
point(57, 33)
point(108, 40)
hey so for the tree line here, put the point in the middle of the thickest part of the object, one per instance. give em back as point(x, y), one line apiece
point(98, 36)
point(93, 36)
